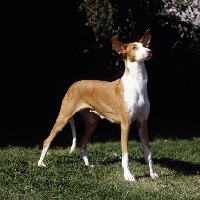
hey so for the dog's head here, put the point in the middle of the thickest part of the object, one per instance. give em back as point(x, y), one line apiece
point(136, 51)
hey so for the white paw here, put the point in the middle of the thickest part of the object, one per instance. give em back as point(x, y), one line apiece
point(129, 177)
point(153, 175)
point(41, 164)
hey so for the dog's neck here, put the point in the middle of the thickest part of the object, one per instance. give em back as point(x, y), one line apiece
point(135, 74)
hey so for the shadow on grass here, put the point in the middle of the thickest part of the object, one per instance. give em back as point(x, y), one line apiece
point(111, 161)
point(181, 167)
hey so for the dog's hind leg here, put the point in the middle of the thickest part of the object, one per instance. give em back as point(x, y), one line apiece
point(67, 110)
point(90, 121)
point(58, 126)
point(71, 121)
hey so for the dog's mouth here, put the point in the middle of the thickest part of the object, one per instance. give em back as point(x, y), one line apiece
point(149, 56)
point(145, 57)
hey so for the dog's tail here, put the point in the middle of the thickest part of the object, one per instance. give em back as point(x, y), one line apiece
point(71, 121)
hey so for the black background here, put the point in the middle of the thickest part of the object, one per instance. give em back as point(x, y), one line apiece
point(40, 59)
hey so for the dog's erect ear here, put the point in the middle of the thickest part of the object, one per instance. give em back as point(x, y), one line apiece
point(120, 47)
point(145, 40)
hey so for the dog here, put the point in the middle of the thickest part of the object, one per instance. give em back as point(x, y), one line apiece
point(121, 101)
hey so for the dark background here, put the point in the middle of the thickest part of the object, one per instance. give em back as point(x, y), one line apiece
point(41, 56)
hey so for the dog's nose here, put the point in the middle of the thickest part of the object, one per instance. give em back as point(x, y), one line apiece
point(148, 51)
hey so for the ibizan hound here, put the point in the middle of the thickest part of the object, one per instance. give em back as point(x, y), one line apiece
point(121, 101)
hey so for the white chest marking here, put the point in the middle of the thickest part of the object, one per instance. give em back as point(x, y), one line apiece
point(135, 90)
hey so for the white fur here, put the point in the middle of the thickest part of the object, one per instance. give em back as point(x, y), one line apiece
point(148, 157)
point(136, 98)
point(44, 151)
point(71, 121)
point(135, 89)
point(85, 157)
point(141, 53)
point(127, 174)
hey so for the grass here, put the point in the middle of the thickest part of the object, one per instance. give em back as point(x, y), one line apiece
point(176, 161)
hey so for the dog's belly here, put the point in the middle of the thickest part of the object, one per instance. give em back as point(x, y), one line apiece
point(110, 116)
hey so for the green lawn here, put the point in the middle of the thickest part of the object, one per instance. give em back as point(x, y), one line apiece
point(176, 161)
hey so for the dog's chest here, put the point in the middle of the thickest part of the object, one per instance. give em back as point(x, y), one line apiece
point(135, 97)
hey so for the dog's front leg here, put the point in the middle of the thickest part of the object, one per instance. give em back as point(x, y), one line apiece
point(124, 142)
point(143, 133)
